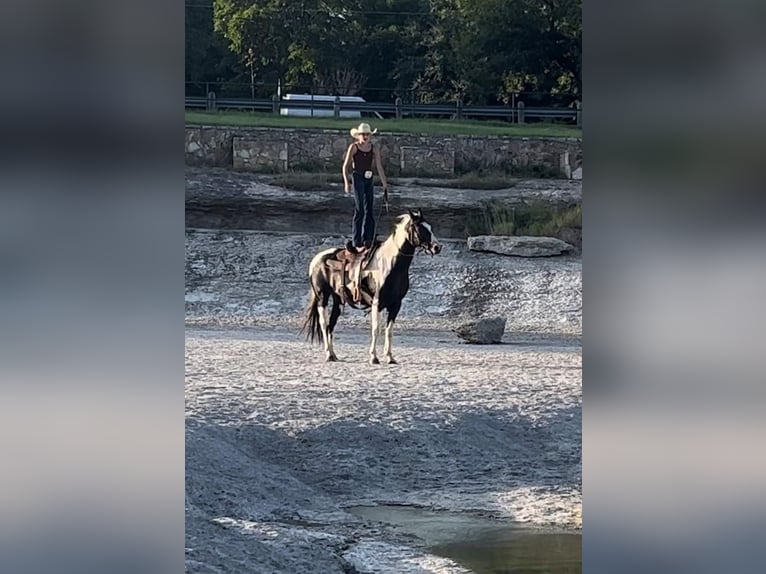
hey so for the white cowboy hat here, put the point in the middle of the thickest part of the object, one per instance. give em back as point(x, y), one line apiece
point(363, 129)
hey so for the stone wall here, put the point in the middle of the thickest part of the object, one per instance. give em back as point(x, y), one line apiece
point(273, 150)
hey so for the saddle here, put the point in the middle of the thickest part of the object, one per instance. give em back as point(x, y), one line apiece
point(346, 276)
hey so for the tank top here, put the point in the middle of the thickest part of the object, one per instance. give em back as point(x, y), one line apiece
point(362, 160)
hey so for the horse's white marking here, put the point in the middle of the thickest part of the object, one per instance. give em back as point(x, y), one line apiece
point(431, 231)
point(324, 324)
point(318, 258)
point(388, 340)
point(382, 262)
point(374, 318)
point(322, 310)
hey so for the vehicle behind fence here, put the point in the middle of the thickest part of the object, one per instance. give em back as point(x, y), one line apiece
point(386, 104)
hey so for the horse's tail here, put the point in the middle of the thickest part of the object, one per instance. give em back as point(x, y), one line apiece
point(311, 320)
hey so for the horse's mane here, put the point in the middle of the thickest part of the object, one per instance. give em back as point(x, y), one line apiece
point(400, 220)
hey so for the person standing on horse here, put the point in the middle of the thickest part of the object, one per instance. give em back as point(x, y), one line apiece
point(360, 156)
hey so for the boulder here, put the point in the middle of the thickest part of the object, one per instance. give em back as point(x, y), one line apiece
point(486, 331)
point(521, 246)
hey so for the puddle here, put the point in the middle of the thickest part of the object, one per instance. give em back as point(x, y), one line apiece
point(484, 545)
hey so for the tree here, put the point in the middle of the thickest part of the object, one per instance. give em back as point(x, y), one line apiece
point(478, 51)
point(208, 58)
point(293, 41)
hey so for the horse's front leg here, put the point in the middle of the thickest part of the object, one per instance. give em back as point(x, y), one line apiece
point(392, 313)
point(374, 319)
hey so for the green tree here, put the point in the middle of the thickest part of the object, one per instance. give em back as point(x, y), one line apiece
point(478, 51)
point(293, 41)
point(208, 58)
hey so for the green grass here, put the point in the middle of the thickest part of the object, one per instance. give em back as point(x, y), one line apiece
point(307, 179)
point(537, 220)
point(535, 172)
point(472, 180)
point(428, 126)
point(303, 181)
point(310, 178)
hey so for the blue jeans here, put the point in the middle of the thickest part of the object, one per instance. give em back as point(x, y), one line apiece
point(364, 222)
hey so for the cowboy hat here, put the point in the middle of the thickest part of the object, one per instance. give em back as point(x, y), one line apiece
point(363, 129)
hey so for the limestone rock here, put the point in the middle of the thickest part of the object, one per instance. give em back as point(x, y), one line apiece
point(486, 331)
point(521, 246)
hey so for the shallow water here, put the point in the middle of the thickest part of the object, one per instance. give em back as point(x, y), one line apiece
point(484, 545)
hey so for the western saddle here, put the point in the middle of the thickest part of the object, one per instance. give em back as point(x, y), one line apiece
point(346, 273)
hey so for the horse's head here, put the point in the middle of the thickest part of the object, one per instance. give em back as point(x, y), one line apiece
point(419, 232)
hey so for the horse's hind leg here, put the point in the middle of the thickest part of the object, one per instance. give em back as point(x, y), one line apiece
point(334, 314)
point(324, 325)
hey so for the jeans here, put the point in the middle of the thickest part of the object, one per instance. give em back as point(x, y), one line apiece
point(364, 222)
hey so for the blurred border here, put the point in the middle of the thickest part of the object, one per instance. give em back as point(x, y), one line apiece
point(673, 283)
point(91, 288)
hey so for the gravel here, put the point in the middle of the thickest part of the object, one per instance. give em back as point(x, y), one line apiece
point(280, 443)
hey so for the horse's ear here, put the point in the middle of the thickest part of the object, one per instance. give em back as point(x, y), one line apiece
point(419, 213)
point(411, 213)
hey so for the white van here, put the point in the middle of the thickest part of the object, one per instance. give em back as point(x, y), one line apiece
point(324, 112)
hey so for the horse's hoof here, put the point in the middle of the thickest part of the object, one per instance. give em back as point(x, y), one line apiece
point(331, 359)
point(392, 361)
point(374, 361)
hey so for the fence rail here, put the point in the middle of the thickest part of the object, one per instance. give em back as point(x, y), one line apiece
point(399, 109)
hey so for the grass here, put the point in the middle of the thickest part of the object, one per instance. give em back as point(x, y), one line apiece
point(472, 180)
point(537, 220)
point(306, 181)
point(409, 125)
point(535, 172)
point(311, 178)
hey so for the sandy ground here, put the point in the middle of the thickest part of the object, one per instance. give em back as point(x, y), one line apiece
point(279, 444)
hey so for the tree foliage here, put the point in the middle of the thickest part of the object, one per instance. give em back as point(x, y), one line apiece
point(480, 51)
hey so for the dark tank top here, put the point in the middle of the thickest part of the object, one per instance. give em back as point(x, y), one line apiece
point(362, 160)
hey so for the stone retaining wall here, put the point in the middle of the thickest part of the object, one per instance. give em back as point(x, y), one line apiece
point(275, 150)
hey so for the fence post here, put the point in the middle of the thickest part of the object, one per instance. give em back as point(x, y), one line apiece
point(566, 168)
point(520, 110)
point(459, 114)
point(211, 101)
point(578, 106)
point(312, 100)
point(336, 107)
point(275, 104)
point(398, 105)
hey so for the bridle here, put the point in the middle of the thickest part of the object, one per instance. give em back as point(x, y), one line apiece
point(413, 235)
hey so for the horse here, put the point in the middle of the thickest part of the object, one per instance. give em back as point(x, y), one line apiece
point(384, 282)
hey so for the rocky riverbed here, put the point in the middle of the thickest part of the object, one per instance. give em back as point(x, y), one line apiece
point(281, 447)
point(243, 278)
point(280, 444)
point(224, 199)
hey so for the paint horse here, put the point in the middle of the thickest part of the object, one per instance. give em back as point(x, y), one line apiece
point(383, 281)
